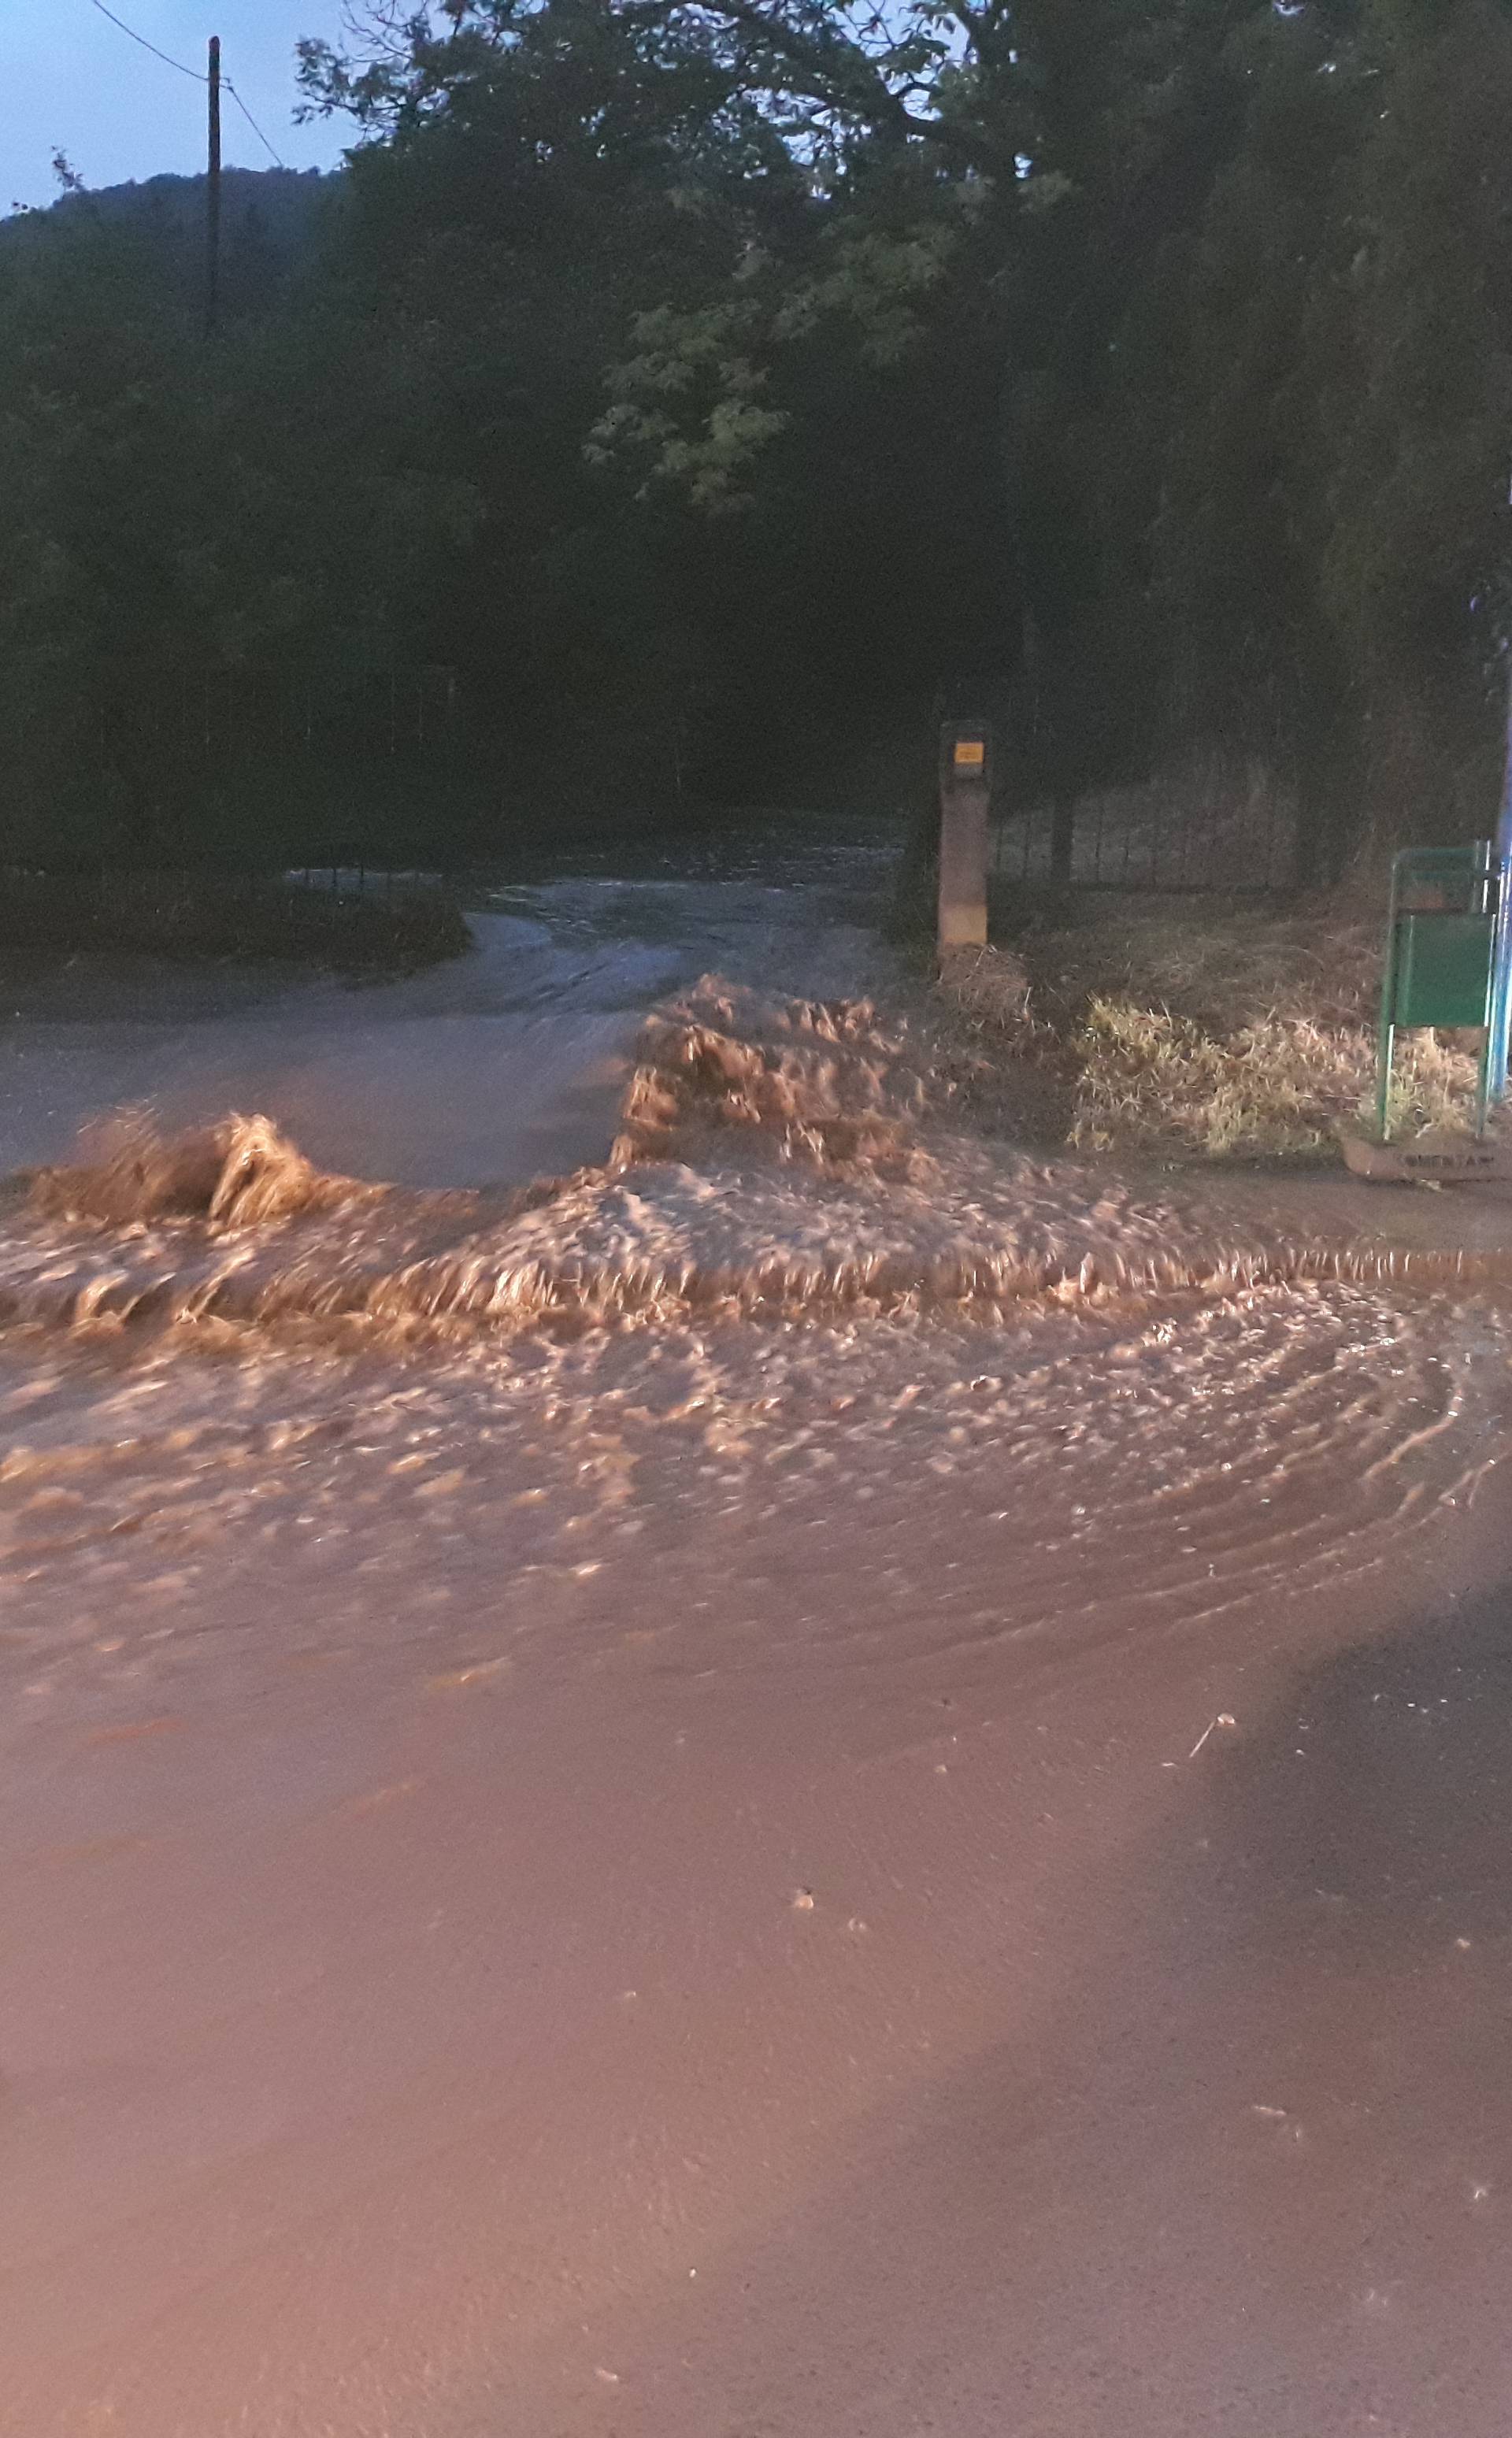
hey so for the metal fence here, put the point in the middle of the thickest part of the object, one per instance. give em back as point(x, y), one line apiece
point(219, 909)
point(211, 719)
point(177, 766)
point(135, 885)
point(1187, 839)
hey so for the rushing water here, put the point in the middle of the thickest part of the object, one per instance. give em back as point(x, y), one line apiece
point(503, 1064)
point(621, 1509)
point(806, 1264)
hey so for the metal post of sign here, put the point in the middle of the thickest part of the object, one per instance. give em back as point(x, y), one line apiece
point(1503, 824)
point(1501, 993)
point(1499, 1024)
point(1386, 1036)
point(965, 790)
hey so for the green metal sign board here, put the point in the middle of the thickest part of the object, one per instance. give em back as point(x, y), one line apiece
point(1445, 940)
point(1444, 965)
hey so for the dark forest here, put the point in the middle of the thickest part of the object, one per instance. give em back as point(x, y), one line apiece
point(676, 403)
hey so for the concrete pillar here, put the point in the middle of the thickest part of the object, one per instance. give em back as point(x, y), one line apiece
point(965, 789)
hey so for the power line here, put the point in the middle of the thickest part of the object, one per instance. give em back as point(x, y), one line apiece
point(253, 124)
point(194, 73)
point(146, 45)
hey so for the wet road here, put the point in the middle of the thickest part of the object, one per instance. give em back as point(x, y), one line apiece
point(1239, 2159)
point(758, 1872)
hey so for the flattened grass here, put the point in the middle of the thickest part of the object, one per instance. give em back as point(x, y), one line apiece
point(1206, 1033)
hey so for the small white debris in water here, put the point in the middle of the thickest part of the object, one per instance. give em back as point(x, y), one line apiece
point(1258, 2107)
point(1462, 1942)
point(1480, 2192)
point(1225, 1718)
point(610, 2377)
point(802, 1900)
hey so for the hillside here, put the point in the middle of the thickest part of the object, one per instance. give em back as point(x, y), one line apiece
point(269, 219)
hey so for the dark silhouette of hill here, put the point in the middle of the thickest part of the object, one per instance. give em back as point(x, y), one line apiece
point(269, 219)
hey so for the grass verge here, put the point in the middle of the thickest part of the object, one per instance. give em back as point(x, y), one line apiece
point(1205, 1031)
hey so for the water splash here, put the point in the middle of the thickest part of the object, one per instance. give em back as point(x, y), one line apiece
point(239, 1174)
point(772, 1157)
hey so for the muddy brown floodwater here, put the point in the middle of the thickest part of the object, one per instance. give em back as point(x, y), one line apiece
point(821, 1780)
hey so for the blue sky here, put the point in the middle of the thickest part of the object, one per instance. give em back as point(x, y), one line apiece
point(69, 79)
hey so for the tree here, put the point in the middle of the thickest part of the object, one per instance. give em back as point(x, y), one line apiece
point(715, 387)
point(1413, 568)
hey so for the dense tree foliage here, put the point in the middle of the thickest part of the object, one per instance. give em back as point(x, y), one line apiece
point(702, 393)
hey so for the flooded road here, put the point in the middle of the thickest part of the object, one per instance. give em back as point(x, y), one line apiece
point(829, 1783)
point(505, 1064)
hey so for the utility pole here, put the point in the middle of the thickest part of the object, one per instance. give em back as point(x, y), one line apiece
point(211, 200)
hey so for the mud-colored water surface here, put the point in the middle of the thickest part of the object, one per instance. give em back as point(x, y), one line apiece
point(799, 1777)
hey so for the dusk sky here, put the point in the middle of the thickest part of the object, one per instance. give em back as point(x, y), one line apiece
point(70, 79)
